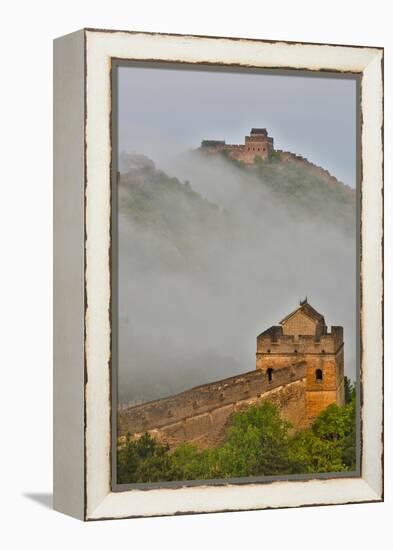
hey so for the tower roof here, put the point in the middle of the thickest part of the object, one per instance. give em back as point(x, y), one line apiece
point(258, 131)
point(307, 309)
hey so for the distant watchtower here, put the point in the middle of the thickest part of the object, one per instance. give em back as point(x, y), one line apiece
point(258, 143)
point(302, 338)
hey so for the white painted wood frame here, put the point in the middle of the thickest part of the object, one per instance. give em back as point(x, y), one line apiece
point(82, 174)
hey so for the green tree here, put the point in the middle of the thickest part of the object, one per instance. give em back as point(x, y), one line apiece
point(329, 445)
point(334, 423)
point(257, 444)
point(349, 390)
point(338, 425)
point(142, 460)
point(310, 454)
point(188, 462)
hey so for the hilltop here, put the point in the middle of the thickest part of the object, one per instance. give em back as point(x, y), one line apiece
point(294, 183)
point(286, 174)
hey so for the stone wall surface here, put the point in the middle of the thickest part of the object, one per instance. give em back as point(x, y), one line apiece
point(200, 415)
point(299, 324)
point(323, 362)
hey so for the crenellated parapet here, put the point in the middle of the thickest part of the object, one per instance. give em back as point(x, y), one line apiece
point(274, 340)
point(201, 413)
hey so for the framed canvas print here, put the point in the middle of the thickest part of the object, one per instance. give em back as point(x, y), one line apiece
point(218, 274)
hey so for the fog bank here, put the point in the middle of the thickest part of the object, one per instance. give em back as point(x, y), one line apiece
point(198, 283)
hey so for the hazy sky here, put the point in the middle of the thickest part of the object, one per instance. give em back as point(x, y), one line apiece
point(164, 111)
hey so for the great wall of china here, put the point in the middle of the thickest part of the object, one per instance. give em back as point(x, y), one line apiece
point(200, 415)
point(259, 144)
point(299, 368)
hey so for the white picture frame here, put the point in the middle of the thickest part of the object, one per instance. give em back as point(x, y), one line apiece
point(82, 246)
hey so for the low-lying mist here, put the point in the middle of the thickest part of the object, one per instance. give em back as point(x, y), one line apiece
point(211, 259)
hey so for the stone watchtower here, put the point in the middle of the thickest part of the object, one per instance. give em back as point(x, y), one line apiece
point(258, 143)
point(302, 338)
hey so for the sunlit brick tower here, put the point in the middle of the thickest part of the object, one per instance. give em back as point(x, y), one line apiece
point(302, 338)
point(257, 144)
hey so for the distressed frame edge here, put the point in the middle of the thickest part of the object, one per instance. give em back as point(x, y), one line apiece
point(361, 493)
point(375, 489)
point(69, 489)
point(372, 270)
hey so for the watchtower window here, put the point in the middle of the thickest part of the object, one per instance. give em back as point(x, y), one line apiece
point(269, 373)
point(318, 375)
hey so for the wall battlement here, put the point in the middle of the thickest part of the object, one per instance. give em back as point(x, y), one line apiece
point(274, 340)
point(201, 413)
point(299, 368)
point(257, 144)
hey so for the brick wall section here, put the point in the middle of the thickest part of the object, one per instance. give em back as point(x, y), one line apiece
point(326, 353)
point(257, 145)
point(201, 414)
point(300, 324)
